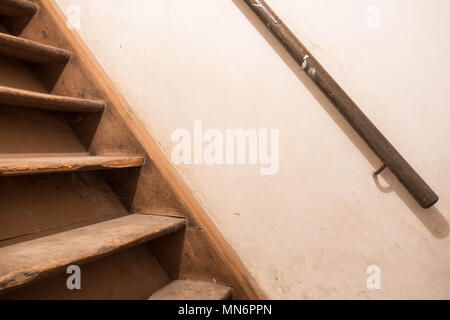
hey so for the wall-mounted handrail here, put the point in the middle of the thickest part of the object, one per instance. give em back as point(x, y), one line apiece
point(391, 158)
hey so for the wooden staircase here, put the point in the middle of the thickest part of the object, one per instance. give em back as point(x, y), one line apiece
point(78, 188)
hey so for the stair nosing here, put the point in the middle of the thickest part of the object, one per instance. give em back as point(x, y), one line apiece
point(13, 97)
point(27, 8)
point(52, 54)
point(29, 166)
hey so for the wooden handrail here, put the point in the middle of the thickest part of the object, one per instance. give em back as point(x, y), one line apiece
point(391, 158)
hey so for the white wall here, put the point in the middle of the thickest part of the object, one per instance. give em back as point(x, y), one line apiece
point(312, 230)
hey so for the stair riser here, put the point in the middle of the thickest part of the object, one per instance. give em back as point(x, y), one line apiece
point(35, 132)
point(34, 206)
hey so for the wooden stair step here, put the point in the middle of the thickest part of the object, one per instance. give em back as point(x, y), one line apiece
point(17, 8)
point(28, 166)
point(16, 48)
point(192, 290)
point(30, 99)
point(33, 260)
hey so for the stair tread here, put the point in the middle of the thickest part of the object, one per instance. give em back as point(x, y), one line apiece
point(192, 290)
point(25, 166)
point(32, 260)
point(17, 8)
point(36, 100)
point(16, 48)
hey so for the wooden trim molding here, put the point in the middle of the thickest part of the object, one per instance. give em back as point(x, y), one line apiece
point(187, 197)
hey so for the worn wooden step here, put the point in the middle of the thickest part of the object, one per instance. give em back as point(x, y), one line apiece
point(131, 274)
point(33, 260)
point(27, 166)
point(17, 8)
point(16, 48)
point(192, 290)
point(30, 99)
